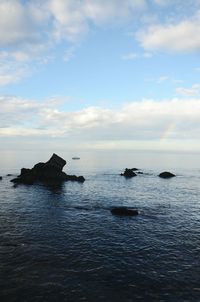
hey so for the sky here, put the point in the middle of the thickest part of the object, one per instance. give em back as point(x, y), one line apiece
point(100, 74)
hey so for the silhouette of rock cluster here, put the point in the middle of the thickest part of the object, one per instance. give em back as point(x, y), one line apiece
point(129, 173)
point(49, 172)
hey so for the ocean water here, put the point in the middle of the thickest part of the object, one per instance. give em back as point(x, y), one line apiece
point(63, 244)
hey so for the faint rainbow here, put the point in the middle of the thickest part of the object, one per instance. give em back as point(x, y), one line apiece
point(167, 131)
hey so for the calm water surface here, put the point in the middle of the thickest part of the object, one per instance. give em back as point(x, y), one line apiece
point(63, 244)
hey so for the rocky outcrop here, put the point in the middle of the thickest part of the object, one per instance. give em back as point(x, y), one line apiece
point(166, 175)
point(124, 211)
point(56, 161)
point(51, 172)
point(128, 173)
point(1, 177)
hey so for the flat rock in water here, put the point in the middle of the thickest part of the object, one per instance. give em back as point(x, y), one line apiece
point(51, 172)
point(166, 175)
point(124, 211)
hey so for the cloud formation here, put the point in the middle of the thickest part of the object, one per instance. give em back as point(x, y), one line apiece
point(189, 92)
point(145, 120)
point(183, 36)
point(31, 30)
point(25, 23)
point(20, 23)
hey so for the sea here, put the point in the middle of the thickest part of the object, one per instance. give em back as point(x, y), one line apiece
point(62, 243)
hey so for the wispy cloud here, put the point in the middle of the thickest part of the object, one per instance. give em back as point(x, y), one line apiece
point(193, 91)
point(69, 53)
point(162, 2)
point(162, 79)
point(134, 55)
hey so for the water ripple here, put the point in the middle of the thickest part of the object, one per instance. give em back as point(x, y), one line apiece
point(64, 244)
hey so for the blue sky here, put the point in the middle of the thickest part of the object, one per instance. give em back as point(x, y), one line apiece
point(100, 74)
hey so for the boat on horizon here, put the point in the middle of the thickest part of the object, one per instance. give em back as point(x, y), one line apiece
point(75, 158)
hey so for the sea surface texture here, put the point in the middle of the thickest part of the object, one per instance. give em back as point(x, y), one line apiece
point(63, 244)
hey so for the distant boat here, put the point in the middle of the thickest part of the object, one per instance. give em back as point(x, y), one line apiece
point(75, 157)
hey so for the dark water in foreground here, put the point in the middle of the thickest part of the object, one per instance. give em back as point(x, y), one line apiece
point(63, 244)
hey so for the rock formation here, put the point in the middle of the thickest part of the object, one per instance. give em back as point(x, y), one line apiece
point(50, 172)
point(166, 175)
point(128, 173)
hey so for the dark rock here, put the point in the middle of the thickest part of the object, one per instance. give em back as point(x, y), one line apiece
point(134, 169)
point(57, 162)
point(128, 173)
point(74, 178)
point(9, 174)
point(124, 211)
point(1, 177)
point(27, 180)
point(49, 172)
point(25, 171)
point(81, 179)
point(166, 175)
point(38, 167)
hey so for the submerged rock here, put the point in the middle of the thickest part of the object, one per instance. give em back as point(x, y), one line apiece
point(124, 211)
point(128, 173)
point(51, 172)
point(166, 175)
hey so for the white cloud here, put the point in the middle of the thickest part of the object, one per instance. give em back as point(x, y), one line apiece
point(20, 23)
point(71, 19)
point(162, 2)
point(25, 23)
point(103, 11)
point(130, 56)
point(162, 79)
point(139, 121)
point(193, 91)
point(179, 37)
point(13, 67)
point(30, 30)
point(134, 55)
